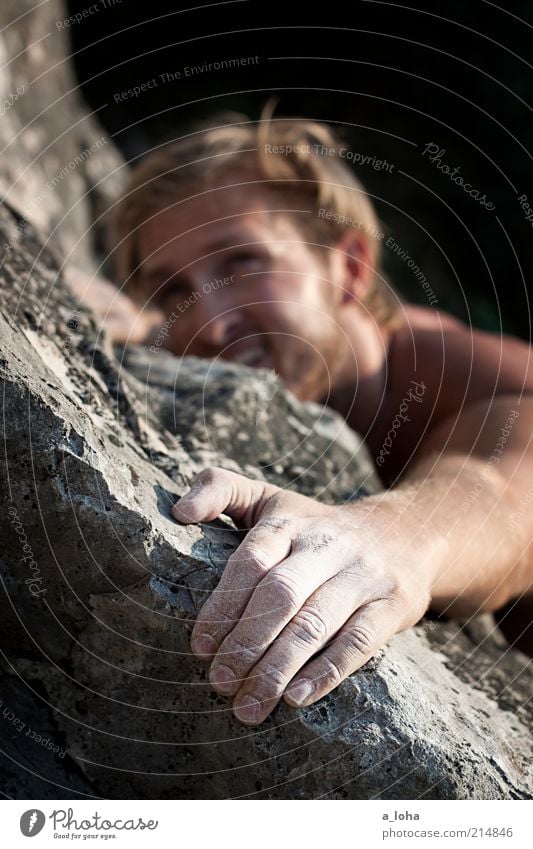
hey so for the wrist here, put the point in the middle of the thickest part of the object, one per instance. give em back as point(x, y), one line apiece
point(394, 522)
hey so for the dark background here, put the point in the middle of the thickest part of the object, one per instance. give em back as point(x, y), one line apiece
point(391, 78)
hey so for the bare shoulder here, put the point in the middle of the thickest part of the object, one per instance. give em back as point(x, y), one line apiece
point(458, 363)
point(437, 366)
point(425, 319)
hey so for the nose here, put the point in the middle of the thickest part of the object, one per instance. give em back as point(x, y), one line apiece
point(220, 331)
point(221, 322)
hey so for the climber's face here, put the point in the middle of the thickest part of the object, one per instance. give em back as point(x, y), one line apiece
point(236, 279)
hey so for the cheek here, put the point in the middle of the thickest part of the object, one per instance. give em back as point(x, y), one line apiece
point(313, 326)
point(182, 335)
point(306, 294)
point(275, 315)
point(302, 309)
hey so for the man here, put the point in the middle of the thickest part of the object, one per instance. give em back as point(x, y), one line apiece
point(257, 244)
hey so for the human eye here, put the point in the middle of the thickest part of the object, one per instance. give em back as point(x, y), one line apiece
point(172, 290)
point(247, 261)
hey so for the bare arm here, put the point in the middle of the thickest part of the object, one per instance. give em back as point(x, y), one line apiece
point(471, 485)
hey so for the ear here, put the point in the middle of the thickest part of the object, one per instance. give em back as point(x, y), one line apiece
point(352, 264)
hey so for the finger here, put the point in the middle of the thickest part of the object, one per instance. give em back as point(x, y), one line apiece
point(274, 602)
point(320, 618)
point(265, 546)
point(359, 640)
point(217, 491)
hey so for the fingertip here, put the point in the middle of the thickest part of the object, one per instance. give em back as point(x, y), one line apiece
point(248, 710)
point(178, 514)
point(203, 645)
point(300, 694)
point(185, 511)
point(199, 504)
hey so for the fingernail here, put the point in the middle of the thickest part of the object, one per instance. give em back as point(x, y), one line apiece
point(300, 692)
point(204, 644)
point(247, 709)
point(222, 679)
point(177, 508)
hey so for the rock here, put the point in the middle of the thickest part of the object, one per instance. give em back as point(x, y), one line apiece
point(94, 456)
point(101, 586)
point(35, 763)
point(58, 168)
point(228, 420)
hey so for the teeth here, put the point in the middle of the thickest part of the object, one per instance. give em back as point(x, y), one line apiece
point(250, 357)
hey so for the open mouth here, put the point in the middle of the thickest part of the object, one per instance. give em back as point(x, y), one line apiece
point(256, 356)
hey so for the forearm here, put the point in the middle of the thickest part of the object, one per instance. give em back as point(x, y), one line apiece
point(484, 561)
point(463, 515)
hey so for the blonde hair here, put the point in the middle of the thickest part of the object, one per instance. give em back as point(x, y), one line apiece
point(288, 155)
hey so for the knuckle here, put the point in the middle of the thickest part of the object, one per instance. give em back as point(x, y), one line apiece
point(277, 499)
point(398, 597)
point(321, 541)
point(409, 602)
point(410, 607)
point(235, 649)
point(270, 677)
point(317, 541)
point(359, 566)
point(276, 524)
point(308, 627)
point(256, 556)
point(209, 475)
point(250, 555)
point(333, 674)
point(214, 615)
point(282, 589)
point(360, 640)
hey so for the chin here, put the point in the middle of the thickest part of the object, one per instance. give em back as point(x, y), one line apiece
point(301, 389)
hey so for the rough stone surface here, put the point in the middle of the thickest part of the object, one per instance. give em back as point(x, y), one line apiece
point(92, 470)
point(58, 167)
point(233, 420)
point(95, 622)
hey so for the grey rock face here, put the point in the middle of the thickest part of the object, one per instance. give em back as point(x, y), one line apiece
point(96, 622)
point(99, 693)
point(58, 167)
point(241, 419)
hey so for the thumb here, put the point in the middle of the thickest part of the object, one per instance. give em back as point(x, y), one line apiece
point(217, 491)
